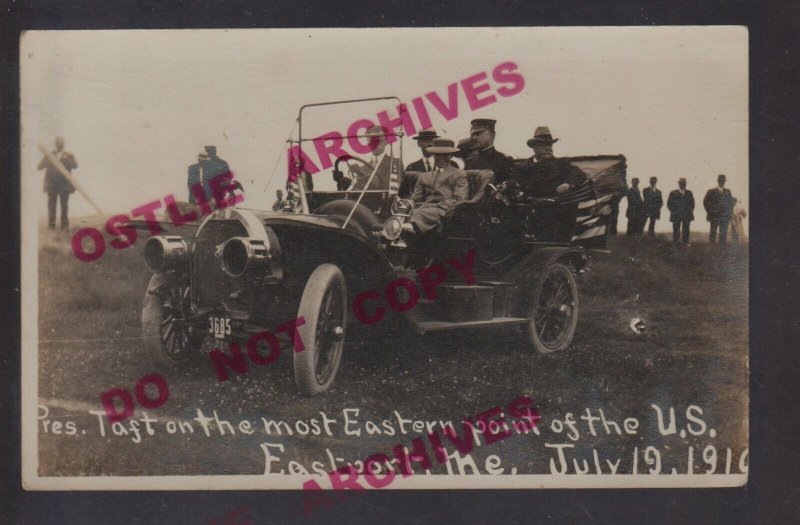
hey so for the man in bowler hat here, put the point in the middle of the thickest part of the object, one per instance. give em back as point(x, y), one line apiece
point(681, 211)
point(482, 133)
point(652, 205)
point(718, 203)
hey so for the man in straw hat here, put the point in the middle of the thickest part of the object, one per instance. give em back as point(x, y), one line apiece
point(681, 211)
point(437, 192)
point(424, 140)
point(482, 133)
point(388, 170)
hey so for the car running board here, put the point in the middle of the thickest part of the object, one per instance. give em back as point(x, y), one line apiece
point(424, 327)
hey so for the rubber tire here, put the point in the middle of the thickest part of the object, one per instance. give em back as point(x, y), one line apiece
point(531, 332)
point(304, 362)
point(152, 311)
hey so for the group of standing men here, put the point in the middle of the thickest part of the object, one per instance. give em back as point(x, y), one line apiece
point(722, 210)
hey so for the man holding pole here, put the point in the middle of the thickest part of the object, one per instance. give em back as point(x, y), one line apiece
point(56, 185)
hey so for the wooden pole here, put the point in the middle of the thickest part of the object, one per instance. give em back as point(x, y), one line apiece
point(60, 167)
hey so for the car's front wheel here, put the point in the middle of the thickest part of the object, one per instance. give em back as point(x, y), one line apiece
point(169, 337)
point(554, 310)
point(323, 307)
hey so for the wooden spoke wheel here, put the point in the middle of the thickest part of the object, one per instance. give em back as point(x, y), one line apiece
point(554, 310)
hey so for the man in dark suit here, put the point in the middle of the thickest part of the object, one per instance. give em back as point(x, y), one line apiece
point(482, 133)
point(424, 141)
point(57, 187)
point(718, 203)
point(437, 192)
point(197, 177)
point(681, 211)
point(636, 213)
point(545, 175)
point(652, 205)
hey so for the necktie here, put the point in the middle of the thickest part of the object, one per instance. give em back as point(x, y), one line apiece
point(427, 165)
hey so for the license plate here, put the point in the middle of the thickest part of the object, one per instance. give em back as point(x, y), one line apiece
point(219, 326)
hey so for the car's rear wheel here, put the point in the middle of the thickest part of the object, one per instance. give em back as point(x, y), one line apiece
point(324, 310)
point(554, 310)
point(169, 337)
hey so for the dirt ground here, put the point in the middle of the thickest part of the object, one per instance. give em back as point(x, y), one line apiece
point(693, 351)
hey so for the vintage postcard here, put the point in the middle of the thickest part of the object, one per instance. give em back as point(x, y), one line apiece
point(335, 259)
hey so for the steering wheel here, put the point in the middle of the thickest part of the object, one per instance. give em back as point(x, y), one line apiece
point(354, 174)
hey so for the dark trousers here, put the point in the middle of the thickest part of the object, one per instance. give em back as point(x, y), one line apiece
point(676, 230)
point(612, 224)
point(722, 225)
point(52, 200)
point(651, 229)
point(636, 224)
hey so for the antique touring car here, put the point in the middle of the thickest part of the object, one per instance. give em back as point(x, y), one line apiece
point(244, 272)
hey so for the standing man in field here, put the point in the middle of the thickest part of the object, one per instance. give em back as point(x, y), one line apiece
point(57, 187)
point(681, 212)
point(718, 203)
point(196, 177)
point(636, 213)
point(652, 205)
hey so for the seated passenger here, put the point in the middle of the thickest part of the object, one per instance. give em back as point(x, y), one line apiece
point(424, 140)
point(544, 175)
point(437, 192)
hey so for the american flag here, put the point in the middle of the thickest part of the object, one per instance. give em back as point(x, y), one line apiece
point(292, 186)
point(596, 197)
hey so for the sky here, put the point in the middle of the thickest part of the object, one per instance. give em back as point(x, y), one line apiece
point(136, 107)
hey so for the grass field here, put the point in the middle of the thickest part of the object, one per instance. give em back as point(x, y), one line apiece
point(693, 302)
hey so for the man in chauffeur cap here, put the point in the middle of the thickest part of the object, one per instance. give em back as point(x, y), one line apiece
point(487, 157)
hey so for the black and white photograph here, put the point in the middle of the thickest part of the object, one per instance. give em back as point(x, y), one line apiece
point(328, 260)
